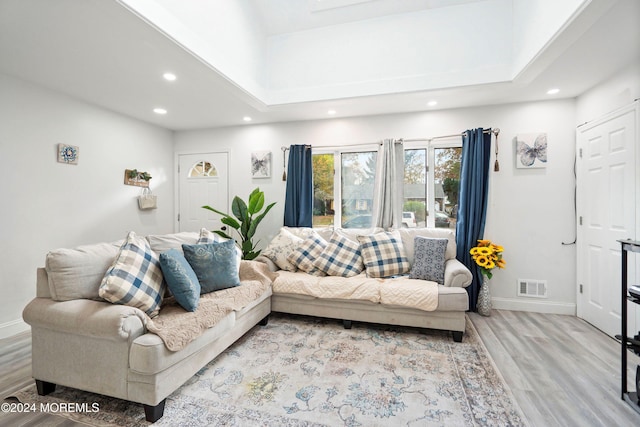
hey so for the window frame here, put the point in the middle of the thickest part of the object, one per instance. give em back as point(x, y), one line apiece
point(429, 146)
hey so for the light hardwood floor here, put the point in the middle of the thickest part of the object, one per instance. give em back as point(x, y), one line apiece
point(561, 370)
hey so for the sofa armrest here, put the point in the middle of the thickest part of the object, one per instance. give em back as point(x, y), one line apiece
point(272, 265)
point(86, 317)
point(456, 274)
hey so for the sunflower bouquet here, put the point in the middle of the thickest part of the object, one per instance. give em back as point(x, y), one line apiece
point(488, 256)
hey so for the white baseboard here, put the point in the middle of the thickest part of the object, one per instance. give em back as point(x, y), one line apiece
point(536, 306)
point(9, 329)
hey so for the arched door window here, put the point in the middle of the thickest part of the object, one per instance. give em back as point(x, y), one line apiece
point(203, 169)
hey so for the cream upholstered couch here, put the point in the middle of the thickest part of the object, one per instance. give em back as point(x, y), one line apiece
point(365, 303)
point(86, 343)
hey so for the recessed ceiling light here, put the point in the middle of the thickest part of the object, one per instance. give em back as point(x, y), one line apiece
point(160, 111)
point(331, 112)
point(432, 103)
point(553, 91)
point(246, 118)
point(169, 76)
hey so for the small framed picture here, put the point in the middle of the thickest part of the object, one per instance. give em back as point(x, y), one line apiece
point(261, 164)
point(531, 150)
point(68, 154)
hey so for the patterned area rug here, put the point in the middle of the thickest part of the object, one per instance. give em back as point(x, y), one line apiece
point(302, 371)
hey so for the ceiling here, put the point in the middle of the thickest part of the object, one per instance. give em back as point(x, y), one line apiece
point(100, 52)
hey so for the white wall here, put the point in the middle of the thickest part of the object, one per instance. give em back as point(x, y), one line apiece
point(46, 204)
point(618, 91)
point(225, 34)
point(434, 48)
point(535, 23)
point(530, 213)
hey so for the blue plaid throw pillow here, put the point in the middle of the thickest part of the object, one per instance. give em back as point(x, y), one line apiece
point(383, 254)
point(135, 278)
point(341, 257)
point(308, 251)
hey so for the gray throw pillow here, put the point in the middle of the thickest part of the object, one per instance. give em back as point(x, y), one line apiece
point(429, 259)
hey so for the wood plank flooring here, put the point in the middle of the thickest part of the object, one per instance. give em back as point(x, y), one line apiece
point(561, 370)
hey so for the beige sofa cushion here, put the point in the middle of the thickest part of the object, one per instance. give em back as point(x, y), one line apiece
point(163, 242)
point(77, 273)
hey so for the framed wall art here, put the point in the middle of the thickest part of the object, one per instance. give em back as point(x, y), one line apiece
point(531, 150)
point(68, 154)
point(261, 164)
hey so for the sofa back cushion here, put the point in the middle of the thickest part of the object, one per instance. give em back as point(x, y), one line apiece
point(77, 273)
point(304, 232)
point(408, 236)
point(353, 233)
point(163, 242)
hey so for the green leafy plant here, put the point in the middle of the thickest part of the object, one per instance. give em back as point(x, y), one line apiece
point(246, 221)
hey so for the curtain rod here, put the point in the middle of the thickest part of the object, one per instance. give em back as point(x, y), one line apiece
point(494, 131)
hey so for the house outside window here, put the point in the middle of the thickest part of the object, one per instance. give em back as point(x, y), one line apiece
point(344, 186)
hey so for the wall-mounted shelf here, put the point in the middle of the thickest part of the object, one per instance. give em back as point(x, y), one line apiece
point(135, 178)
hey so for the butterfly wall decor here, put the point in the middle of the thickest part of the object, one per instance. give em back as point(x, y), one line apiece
point(531, 150)
point(261, 164)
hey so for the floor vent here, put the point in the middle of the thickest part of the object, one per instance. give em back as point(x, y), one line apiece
point(532, 288)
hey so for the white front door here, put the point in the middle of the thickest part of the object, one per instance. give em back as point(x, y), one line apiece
point(202, 180)
point(606, 208)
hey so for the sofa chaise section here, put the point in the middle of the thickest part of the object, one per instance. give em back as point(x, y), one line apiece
point(104, 348)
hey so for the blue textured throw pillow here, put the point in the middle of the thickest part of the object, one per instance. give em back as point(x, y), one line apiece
point(215, 265)
point(181, 279)
point(429, 259)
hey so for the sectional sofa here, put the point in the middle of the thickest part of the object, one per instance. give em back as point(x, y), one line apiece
point(82, 341)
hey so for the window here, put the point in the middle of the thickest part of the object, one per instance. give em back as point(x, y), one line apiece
point(446, 180)
point(343, 186)
point(415, 187)
point(202, 169)
point(357, 179)
point(323, 210)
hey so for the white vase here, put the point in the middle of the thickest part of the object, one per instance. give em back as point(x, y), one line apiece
point(484, 299)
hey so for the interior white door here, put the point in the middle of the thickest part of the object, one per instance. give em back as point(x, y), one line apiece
point(607, 199)
point(203, 179)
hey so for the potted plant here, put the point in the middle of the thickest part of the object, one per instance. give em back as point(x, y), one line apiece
point(246, 221)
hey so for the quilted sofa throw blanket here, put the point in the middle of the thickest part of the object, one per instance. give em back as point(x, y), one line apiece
point(177, 327)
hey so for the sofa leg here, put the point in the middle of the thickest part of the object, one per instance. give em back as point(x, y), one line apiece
point(264, 321)
point(45, 388)
point(457, 336)
point(154, 413)
point(346, 324)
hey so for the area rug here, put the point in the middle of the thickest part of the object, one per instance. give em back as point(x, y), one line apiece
point(302, 371)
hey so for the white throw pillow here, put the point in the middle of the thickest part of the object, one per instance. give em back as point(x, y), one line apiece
point(281, 247)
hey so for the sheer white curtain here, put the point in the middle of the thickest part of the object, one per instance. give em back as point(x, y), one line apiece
point(388, 187)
